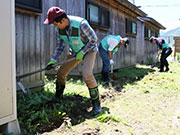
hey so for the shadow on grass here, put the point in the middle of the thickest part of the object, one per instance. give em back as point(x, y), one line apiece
point(126, 76)
point(36, 114)
point(74, 109)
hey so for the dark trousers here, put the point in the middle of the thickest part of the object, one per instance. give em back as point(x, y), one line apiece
point(165, 53)
point(105, 59)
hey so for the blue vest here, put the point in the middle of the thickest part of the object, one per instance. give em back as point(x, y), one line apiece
point(105, 45)
point(74, 40)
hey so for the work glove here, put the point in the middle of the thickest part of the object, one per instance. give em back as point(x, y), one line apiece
point(79, 56)
point(50, 64)
point(111, 62)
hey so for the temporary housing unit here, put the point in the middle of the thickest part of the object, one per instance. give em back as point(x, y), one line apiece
point(8, 115)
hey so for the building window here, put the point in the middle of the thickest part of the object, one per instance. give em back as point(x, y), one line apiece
point(156, 34)
point(93, 14)
point(147, 32)
point(32, 5)
point(97, 15)
point(105, 17)
point(131, 27)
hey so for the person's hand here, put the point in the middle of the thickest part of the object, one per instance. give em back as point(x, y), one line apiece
point(79, 56)
point(50, 65)
point(111, 62)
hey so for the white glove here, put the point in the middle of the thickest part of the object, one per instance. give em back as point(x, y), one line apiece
point(111, 62)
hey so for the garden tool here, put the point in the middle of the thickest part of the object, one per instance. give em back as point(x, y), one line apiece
point(19, 77)
point(155, 63)
point(112, 75)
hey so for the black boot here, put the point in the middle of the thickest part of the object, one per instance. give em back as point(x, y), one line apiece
point(94, 93)
point(167, 66)
point(59, 91)
point(102, 74)
point(161, 68)
point(167, 69)
point(106, 77)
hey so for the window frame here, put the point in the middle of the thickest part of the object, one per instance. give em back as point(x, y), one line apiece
point(130, 27)
point(108, 19)
point(101, 9)
point(147, 32)
point(156, 34)
point(88, 14)
point(23, 5)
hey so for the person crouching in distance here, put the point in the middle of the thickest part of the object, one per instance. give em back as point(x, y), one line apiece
point(164, 49)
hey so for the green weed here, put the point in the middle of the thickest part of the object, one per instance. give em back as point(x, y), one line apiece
point(109, 117)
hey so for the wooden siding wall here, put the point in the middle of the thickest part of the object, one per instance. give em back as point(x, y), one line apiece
point(144, 49)
point(176, 45)
point(125, 56)
point(35, 42)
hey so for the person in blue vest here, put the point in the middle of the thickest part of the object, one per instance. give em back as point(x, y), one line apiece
point(165, 49)
point(82, 40)
point(109, 45)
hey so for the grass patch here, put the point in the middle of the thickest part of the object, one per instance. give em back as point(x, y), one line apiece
point(142, 100)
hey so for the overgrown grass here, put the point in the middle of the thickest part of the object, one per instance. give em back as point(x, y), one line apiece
point(146, 100)
point(33, 112)
point(37, 115)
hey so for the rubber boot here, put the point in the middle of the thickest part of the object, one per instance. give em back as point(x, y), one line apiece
point(167, 69)
point(161, 68)
point(94, 94)
point(102, 74)
point(106, 77)
point(59, 91)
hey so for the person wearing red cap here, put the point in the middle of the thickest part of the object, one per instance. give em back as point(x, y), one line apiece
point(82, 40)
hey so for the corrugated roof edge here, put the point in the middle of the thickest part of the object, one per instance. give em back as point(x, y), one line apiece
point(142, 14)
point(132, 7)
point(152, 20)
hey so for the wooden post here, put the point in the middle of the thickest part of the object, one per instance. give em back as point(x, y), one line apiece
point(176, 45)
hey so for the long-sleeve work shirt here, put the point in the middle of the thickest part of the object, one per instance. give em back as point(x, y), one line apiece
point(86, 32)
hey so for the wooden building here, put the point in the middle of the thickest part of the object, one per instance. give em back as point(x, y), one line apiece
point(176, 45)
point(35, 42)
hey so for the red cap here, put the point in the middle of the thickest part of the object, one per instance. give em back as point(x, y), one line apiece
point(53, 13)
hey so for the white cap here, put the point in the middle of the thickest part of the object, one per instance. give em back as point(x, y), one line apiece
point(126, 41)
point(152, 38)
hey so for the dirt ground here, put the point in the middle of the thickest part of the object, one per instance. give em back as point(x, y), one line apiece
point(78, 115)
